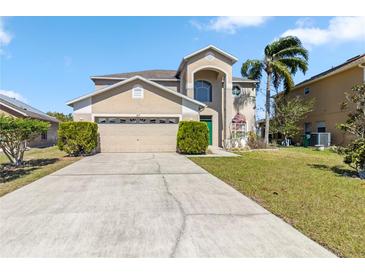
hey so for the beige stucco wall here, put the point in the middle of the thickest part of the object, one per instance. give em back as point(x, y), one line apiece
point(51, 137)
point(207, 65)
point(119, 101)
point(214, 108)
point(135, 138)
point(246, 104)
point(173, 85)
point(82, 117)
point(214, 67)
point(329, 94)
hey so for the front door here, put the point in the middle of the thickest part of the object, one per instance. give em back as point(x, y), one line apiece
point(208, 121)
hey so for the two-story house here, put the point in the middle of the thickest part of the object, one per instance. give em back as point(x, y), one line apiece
point(140, 111)
point(328, 91)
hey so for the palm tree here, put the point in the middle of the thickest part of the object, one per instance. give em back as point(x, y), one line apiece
point(282, 59)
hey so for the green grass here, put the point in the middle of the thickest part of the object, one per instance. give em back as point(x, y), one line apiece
point(304, 187)
point(39, 162)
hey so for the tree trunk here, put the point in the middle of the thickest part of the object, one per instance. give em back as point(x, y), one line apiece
point(267, 109)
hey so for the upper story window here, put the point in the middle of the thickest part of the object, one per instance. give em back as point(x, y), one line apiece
point(203, 91)
point(137, 92)
point(236, 91)
point(307, 90)
point(321, 126)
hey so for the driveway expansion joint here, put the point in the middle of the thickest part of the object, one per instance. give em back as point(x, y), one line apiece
point(183, 214)
point(227, 214)
point(126, 174)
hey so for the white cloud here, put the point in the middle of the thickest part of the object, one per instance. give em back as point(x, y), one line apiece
point(5, 37)
point(13, 94)
point(230, 24)
point(305, 22)
point(340, 29)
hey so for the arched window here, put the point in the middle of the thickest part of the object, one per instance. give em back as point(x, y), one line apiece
point(236, 91)
point(203, 91)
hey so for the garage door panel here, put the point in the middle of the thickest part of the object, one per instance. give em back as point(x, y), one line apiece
point(137, 137)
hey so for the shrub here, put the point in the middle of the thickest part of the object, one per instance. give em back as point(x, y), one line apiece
point(254, 142)
point(77, 138)
point(15, 133)
point(192, 137)
point(355, 154)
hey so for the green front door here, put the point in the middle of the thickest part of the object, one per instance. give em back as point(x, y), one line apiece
point(208, 121)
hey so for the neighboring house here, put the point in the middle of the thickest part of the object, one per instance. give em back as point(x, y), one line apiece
point(328, 90)
point(12, 107)
point(140, 111)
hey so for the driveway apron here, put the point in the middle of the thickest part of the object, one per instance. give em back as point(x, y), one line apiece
point(142, 205)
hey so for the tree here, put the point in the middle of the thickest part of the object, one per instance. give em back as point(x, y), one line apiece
point(282, 59)
point(355, 123)
point(354, 153)
point(354, 156)
point(287, 115)
point(61, 116)
point(15, 133)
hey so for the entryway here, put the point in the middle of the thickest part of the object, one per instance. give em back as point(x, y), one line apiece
point(208, 121)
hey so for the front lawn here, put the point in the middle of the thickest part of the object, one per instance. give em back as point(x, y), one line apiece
point(304, 187)
point(39, 162)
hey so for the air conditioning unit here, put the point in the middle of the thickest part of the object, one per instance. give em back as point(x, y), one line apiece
point(320, 139)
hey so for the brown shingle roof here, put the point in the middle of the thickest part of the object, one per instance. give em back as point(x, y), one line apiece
point(154, 74)
point(148, 74)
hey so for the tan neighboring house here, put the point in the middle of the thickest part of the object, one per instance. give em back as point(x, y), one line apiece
point(328, 90)
point(140, 111)
point(12, 107)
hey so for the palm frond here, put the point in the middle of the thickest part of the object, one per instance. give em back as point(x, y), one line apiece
point(276, 80)
point(283, 72)
point(281, 44)
point(252, 69)
point(295, 63)
point(292, 52)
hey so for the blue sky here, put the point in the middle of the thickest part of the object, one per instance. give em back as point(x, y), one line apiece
point(48, 60)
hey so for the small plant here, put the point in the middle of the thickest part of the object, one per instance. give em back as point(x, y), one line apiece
point(355, 156)
point(77, 138)
point(15, 133)
point(192, 137)
point(254, 142)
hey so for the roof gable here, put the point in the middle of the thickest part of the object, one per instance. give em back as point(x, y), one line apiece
point(213, 48)
point(25, 109)
point(99, 91)
point(209, 47)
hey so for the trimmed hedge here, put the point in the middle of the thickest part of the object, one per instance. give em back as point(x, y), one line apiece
point(77, 138)
point(192, 137)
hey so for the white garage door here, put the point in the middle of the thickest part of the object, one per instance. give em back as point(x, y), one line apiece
point(142, 134)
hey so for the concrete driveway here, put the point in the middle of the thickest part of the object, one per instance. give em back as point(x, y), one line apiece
point(141, 205)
